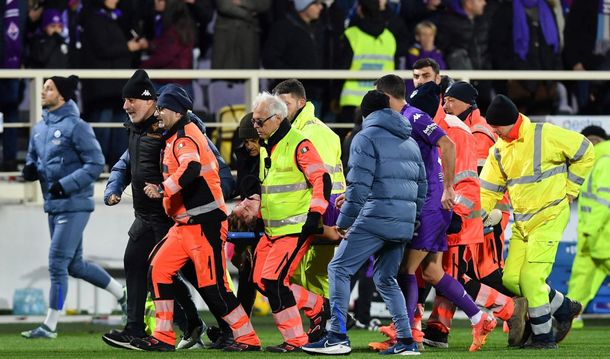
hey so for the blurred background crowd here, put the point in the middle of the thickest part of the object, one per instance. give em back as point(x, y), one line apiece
point(301, 34)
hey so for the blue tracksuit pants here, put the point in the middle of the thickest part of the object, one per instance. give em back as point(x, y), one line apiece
point(66, 256)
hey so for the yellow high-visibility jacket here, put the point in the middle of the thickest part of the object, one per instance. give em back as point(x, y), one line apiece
point(594, 205)
point(540, 168)
point(326, 141)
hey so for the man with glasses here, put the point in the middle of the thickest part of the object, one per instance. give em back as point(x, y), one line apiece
point(311, 273)
point(295, 192)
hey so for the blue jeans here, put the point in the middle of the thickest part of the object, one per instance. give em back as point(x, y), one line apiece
point(66, 256)
point(351, 254)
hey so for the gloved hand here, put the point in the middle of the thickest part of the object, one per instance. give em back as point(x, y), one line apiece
point(313, 224)
point(30, 172)
point(456, 224)
point(494, 217)
point(56, 190)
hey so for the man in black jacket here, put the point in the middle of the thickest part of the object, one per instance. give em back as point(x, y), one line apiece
point(138, 165)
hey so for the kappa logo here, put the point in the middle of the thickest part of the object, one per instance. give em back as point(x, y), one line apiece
point(417, 116)
point(145, 93)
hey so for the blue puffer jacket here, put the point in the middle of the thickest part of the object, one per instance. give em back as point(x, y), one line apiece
point(64, 149)
point(387, 179)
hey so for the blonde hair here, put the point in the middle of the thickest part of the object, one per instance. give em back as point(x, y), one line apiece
point(424, 24)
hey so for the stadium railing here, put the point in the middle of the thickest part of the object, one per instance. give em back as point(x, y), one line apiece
point(252, 80)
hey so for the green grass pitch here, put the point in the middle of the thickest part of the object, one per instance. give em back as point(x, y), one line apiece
point(82, 340)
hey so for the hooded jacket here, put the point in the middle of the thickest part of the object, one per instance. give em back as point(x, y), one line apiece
point(387, 179)
point(64, 149)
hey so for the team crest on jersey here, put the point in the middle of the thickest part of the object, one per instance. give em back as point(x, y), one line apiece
point(304, 150)
point(180, 145)
point(12, 31)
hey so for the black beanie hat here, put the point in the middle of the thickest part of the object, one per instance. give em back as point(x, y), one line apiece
point(66, 86)
point(374, 100)
point(502, 112)
point(426, 98)
point(246, 128)
point(139, 86)
point(175, 98)
point(594, 131)
point(463, 91)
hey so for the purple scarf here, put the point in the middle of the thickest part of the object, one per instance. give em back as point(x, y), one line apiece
point(456, 6)
point(11, 59)
point(521, 32)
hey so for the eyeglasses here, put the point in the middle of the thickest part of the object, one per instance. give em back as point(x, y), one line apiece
point(258, 122)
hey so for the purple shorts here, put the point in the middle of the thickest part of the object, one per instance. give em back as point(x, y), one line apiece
point(431, 235)
point(332, 212)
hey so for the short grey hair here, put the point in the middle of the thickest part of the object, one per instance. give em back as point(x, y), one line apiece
point(275, 105)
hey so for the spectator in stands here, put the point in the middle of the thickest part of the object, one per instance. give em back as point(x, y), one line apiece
point(65, 156)
point(463, 38)
point(105, 46)
point(415, 11)
point(297, 42)
point(237, 34)
point(586, 48)
point(48, 49)
point(12, 22)
point(526, 37)
point(367, 44)
point(425, 35)
point(172, 46)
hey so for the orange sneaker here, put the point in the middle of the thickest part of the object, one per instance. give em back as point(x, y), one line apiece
point(381, 346)
point(389, 331)
point(481, 330)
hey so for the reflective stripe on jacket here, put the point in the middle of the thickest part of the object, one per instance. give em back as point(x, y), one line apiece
point(485, 138)
point(287, 195)
point(466, 182)
point(326, 141)
point(192, 191)
point(594, 205)
point(370, 53)
point(539, 168)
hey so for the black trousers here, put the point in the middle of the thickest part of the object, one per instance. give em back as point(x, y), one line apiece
point(143, 236)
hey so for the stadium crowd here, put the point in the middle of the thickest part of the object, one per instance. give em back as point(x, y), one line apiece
point(301, 34)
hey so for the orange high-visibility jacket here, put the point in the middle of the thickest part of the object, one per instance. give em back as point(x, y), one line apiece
point(485, 138)
point(466, 186)
point(192, 192)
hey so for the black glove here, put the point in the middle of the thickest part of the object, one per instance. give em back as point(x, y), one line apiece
point(56, 190)
point(313, 224)
point(30, 172)
point(456, 224)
